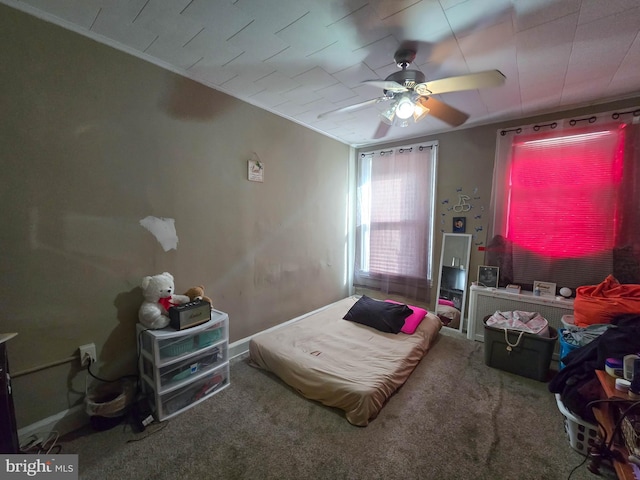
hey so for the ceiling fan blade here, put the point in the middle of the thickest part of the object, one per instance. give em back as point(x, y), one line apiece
point(382, 130)
point(444, 112)
point(355, 106)
point(388, 85)
point(486, 79)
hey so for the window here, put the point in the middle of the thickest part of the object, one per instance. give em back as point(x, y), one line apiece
point(565, 204)
point(396, 200)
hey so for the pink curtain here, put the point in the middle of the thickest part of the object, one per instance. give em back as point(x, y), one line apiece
point(565, 202)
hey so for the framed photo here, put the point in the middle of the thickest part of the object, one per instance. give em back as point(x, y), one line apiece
point(488, 276)
point(544, 289)
point(459, 224)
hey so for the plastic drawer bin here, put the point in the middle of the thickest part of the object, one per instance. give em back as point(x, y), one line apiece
point(176, 346)
point(529, 357)
point(178, 371)
point(581, 434)
point(183, 397)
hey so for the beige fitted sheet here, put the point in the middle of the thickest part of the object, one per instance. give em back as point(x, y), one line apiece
point(343, 364)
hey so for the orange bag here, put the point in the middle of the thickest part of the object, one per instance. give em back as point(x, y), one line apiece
point(601, 303)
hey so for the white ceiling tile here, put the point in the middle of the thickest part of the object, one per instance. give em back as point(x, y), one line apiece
point(267, 99)
point(574, 92)
point(543, 91)
point(291, 108)
point(164, 19)
point(337, 57)
point(291, 62)
point(546, 47)
point(242, 85)
point(493, 48)
point(446, 59)
point(306, 34)
point(274, 15)
point(302, 95)
point(210, 73)
point(605, 51)
point(336, 93)
point(627, 75)
point(380, 53)
point(172, 53)
point(450, 3)
point(257, 39)
point(315, 79)
point(360, 28)
point(276, 82)
point(329, 12)
point(595, 9)
point(532, 13)
point(207, 43)
point(220, 15)
point(473, 15)
point(423, 23)
point(127, 34)
point(387, 8)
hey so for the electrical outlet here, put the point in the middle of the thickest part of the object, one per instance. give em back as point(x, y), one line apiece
point(87, 354)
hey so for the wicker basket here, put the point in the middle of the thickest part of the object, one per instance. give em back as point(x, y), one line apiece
point(631, 433)
point(109, 399)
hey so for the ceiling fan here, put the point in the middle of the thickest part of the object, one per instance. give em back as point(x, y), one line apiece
point(410, 94)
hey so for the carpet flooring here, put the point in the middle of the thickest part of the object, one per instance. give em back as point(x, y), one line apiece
point(455, 418)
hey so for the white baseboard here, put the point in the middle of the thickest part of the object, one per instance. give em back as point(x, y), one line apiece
point(241, 347)
point(62, 423)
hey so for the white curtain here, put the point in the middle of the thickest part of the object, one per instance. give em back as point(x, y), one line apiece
point(565, 202)
point(394, 223)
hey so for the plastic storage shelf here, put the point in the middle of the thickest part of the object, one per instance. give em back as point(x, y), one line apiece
point(180, 368)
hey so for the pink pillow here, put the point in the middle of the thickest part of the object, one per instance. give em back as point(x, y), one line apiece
point(413, 320)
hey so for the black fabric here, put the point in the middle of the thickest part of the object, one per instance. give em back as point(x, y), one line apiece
point(574, 382)
point(384, 316)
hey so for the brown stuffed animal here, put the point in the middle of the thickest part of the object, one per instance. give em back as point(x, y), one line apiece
point(197, 293)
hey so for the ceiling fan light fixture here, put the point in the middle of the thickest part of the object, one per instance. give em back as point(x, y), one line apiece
point(389, 115)
point(421, 110)
point(405, 108)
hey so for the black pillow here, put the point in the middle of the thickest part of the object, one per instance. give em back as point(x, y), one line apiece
point(384, 316)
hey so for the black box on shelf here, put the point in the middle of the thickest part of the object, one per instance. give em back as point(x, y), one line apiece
point(189, 314)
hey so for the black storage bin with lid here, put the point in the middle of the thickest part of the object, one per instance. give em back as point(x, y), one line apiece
point(522, 353)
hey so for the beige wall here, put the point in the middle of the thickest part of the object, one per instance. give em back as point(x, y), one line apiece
point(94, 140)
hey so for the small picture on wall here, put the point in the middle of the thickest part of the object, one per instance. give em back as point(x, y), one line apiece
point(255, 171)
point(459, 224)
point(488, 276)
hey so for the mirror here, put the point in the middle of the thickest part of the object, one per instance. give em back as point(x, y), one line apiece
point(453, 279)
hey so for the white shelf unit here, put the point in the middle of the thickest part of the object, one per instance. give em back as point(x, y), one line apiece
point(181, 368)
point(486, 301)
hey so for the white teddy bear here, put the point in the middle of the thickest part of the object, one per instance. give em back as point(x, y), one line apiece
point(158, 298)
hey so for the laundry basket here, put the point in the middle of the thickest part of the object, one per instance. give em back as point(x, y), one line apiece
point(581, 434)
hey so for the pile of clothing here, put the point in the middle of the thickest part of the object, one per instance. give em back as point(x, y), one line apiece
point(577, 383)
